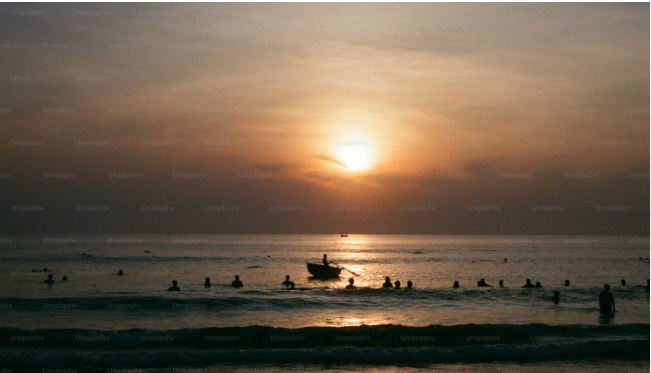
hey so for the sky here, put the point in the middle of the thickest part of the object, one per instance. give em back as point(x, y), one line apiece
point(324, 118)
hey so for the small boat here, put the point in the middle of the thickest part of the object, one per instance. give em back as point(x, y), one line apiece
point(344, 235)
point(321, 271)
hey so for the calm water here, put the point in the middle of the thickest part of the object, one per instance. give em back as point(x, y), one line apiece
point(131, 321)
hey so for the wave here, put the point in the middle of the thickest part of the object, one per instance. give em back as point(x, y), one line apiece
point(168, 358)
point(376, 336)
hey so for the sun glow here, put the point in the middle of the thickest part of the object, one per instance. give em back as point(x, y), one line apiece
point(356, 157)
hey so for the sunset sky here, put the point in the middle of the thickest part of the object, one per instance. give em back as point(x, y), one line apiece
point(324, 118)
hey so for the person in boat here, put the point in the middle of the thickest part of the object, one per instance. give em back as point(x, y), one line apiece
point(397, 284)
point(351, 283)
point(623, 282)
point(567, 283)
point(455, 285)
point(325, 260)
point(207, 283)
point(387, 283)
point(557, 296)
point(482, 284)
point(606, 301)
point(501, 283)
point(409, 285)
point(120, 273)
point(49, 280)
point(237, 283)
point(538, 284)
point(287, 282)
point(174, 287)
point(528, 285)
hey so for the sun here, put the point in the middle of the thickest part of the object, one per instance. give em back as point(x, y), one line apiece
point(355, 157)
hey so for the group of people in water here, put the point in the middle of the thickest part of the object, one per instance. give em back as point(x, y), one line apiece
point(606, 298)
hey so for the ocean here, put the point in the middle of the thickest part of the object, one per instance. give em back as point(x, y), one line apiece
point(98, 321)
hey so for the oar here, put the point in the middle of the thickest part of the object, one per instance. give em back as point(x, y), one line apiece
point(345, 268)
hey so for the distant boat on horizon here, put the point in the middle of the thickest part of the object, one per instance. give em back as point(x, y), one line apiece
point(344, 234)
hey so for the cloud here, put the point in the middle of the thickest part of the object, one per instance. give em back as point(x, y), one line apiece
point(330, 159)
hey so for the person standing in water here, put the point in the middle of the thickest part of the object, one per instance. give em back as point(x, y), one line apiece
point(387, 283)
point(397, 285)
point(174, 286)
point(501, 283)
point(409, 284)
point(567, 283)
point(237, 283)
point(49, 280)
point(623, 282)
point(528, 285)
point(606, 302)
point(286, 282)
point(455, 285)
point(207, 283)
point(120, 273)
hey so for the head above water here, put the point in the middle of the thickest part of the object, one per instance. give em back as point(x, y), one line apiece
point(351, 280)
point(528, 281)
point(49, 276)
point(623, 282)
point(501, 282)
point(409, 284)
point(237, 277)
point(120, 272)
point(387, 279)
point(325, 256)
point(65, 278)
point(567, 282)
point(287, 277)
point(207, 280)
point(456, 284)
point(174, 283)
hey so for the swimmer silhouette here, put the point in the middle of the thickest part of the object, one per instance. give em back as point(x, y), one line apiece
point(397, 284)
point(409, 284)
point(501, 283)
point(287, 282)
point(528, 285)
point(387, 283)
point(606, 302)
point(351, 282)
point(567, 283)
point(538, 285)
point(482, 284)
point(237, 283)
point(120, 273)
point(174, 286)
point(557, 296)
point(65, 278)
point(49, 280)
point(623, 282)
point(456, 284)
point(207, 283)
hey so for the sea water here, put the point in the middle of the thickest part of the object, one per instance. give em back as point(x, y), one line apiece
point(97, 320)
